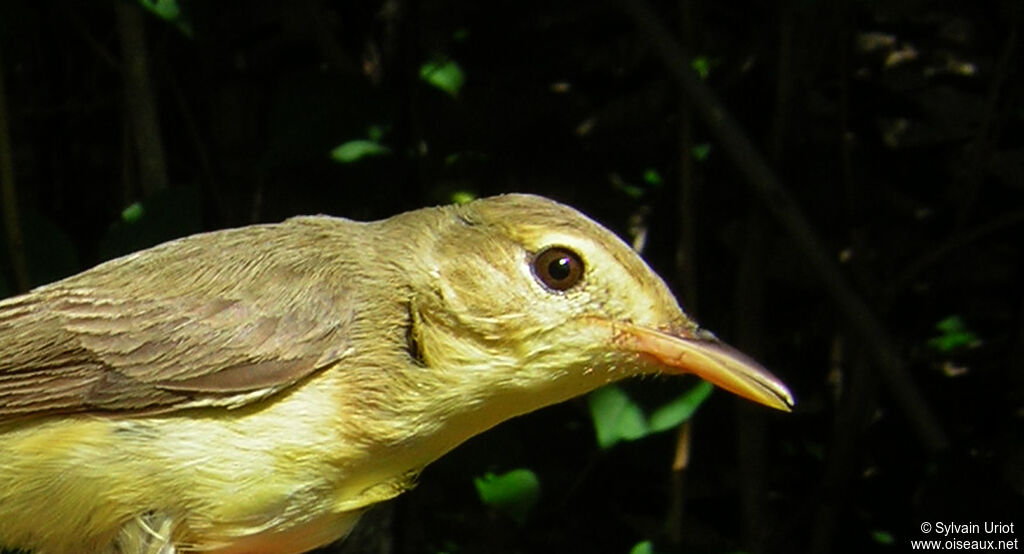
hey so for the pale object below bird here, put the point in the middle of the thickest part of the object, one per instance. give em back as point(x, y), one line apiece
point(254, 390)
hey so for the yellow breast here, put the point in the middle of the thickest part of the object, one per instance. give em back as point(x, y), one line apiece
point(276, 478)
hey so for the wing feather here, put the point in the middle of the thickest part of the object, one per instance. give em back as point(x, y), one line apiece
point(221, 338)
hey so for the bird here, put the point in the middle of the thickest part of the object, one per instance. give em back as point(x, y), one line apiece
point(255, 390)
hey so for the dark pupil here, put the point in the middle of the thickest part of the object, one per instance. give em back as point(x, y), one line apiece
point(560, 268)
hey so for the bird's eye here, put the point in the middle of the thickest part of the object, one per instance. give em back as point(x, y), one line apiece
point(558, 268)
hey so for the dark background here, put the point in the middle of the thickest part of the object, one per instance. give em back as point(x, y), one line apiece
point(883, 195)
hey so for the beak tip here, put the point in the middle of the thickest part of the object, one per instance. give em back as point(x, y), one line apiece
point(776, 398)
point(781, 399)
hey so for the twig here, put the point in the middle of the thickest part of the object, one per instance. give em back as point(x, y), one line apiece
point(785, 209)
point(141, 99)
point(677, 500)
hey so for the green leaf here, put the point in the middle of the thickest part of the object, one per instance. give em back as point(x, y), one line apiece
point(955, 334)
point(463, 196)
point(167, 214)
point(652, 177)
point(702, 65)
point(169, 11)
point(447, 76)
point(642, 547)
point(514, 493)
point(354, 150)
point(133, 213)
point(681, 409)
point(616, 417)
point(882, 537)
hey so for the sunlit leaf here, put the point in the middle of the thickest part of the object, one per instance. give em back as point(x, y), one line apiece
point(681, 409)
point(514, 493)
point(165, 9)
point(642, 547)
point(463, 196)
point(133, 213)
point(447, 76)
point(169, 11)
point(616, 417)
point(954, 334)
point(355, 150)
point(702, 65)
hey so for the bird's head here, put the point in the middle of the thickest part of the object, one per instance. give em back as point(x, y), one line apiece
point(522, 302)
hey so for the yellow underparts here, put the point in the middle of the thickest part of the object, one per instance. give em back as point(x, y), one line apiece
point(279, 479)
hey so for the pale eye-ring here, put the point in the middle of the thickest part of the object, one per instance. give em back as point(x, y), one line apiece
point(558, 268)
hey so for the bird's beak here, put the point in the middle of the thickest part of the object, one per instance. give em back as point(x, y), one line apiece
point(700, 353)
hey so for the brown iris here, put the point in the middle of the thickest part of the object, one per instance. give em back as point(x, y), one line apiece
point(558, 268)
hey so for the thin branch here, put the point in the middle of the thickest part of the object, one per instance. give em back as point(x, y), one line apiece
point(140, 98)
point(677, 500)
point(785, 209)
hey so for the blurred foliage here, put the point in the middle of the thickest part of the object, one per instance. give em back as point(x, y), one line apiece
point(644, 547)
point(446, 76)
point(462, 196)
point(882, 537)
point(702, 65)
point(955, 334)
point(169, 11)
point(700, 152)
point(133, 213)
point(652, 177)
point(616, 417)
point(514, 493)
point(354, 150)
point(898, 127)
